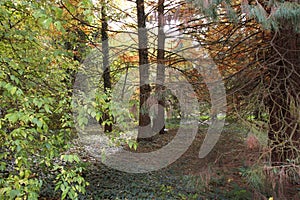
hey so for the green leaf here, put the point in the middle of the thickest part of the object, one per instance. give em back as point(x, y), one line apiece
point(90, 19)
point(47, 22)
point(58, 12)
point(12, 117)
point(62, 187)
point(65, 192)
point(76, 158)
point(38, 14)
point(38, 102)
point(135, 145)
point(37, 122)
point(47, 108)
point(58, 26)
point(130, 144)
point(14, 193)
point(98, 116)
point(93, 113)
point(10, 88)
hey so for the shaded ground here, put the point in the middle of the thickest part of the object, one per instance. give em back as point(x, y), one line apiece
point(226, 173)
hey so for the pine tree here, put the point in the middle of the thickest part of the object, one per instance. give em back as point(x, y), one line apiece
point(280, 21)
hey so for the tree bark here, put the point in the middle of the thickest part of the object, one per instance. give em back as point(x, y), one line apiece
point(145, 131)
point(159, 119)
point(106, 67)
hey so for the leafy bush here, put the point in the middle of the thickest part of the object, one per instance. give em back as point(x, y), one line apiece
point(35, 87)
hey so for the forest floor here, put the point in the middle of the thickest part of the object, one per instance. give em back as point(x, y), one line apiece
point(234, 169)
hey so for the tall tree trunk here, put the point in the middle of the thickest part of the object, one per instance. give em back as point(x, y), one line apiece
point(284, 97)
point(159, 119)
point(144, 132)
point(106, 68)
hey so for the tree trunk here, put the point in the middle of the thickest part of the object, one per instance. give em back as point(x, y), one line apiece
point(144, 132)
point(106, 68)
point(284, 97)
point(159, 119)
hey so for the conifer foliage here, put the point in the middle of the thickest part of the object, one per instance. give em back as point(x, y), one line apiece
point(278, 62)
